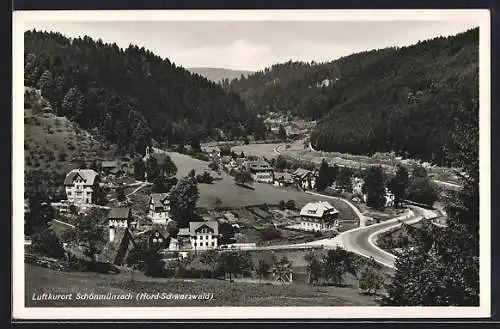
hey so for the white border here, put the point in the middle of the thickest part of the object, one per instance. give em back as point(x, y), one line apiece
point(20, 312)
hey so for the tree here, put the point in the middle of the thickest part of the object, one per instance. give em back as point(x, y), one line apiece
point(47, 243)
point(195, 144)
point(398, 185)
point(375, 187)
point(159, 185)
point(217, 203)
point(262, 269)
point(183, 198)
point(120, 194)
point(210, 258)
point(422, 190)
point(282, 133)
point(314, 268)
point(172, 228)
point(243, 177)
point(290, 204)
point(344, 182)
point(233, 262)
point(226, 231)
point(281, 162)
point(40, 213)
point(325, 177)
point(152, 169)
point(338, 262)
point(89, 233)
point(370, 279)
point(73, 104)
point(282, 269)
point(154, 264)
point(139, 169)
point(169, 168)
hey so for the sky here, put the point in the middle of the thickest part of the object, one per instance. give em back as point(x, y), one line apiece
point(254, 45)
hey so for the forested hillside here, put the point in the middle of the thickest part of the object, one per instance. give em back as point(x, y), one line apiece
point(408, 100)
point(130, 95)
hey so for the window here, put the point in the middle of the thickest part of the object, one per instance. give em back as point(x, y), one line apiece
point(213, 244)
point(69, 193)
point(195, 244)
point(206, 244)
point(154, 240)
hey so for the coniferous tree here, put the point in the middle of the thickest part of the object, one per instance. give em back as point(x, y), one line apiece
point(374, 187)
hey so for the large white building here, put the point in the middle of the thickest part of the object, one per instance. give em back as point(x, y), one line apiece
point(202, 235)
point(81, 185)
point(261, 171)
point(159, 208)
point(318, 217)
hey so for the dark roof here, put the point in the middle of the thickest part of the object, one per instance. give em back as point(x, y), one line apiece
point(88, 176)
point(112, 248)
point(119, 213)
point(193, 226)
point(162, 229)
point(157, 199)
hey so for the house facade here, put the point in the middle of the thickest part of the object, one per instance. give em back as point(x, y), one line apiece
point(201, 235)
point(261, 171)
point(81, 185)
point(159, 208)
point(118, 218)
point(304, 179)
point(319, 217)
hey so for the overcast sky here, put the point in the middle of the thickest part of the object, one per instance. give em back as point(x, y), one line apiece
point(255, 45)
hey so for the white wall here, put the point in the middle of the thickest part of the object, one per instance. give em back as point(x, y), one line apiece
point(200, 241)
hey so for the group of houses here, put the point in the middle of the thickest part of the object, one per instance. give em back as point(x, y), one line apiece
point(122, 229)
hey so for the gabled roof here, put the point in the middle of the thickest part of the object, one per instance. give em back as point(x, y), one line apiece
point(112, 248)
point(162, 229)
point(301, 172)
point(157, 199)
point(119, 213)
point(194, 226)
point(88, 175)
point(317, 209)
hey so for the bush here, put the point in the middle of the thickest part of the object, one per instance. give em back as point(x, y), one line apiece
point(47, 243)
point(271, 233)
point(281, 205)
point(290, 204)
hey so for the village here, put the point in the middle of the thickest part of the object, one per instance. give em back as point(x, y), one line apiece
point(143, 216)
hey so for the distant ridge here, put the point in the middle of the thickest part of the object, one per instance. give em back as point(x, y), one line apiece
point(218, 74)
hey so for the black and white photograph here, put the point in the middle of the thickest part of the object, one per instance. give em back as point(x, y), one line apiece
point(251, 164)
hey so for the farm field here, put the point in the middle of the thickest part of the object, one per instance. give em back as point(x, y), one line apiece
point(234, 196)
point(39, 280)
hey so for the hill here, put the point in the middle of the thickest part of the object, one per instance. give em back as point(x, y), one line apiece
point(218, 74)
point(54, 145)
point(130, 95)
point(412, 100)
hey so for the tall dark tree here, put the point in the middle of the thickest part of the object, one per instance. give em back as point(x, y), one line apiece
point(375, 187)
point(282, 133)
point(73, 104)
point(344, 181)
point(398, 185)
point(325, 177)
point(183, 198)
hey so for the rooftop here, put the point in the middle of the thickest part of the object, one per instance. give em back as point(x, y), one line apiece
point(317, 209)
point(88, 176)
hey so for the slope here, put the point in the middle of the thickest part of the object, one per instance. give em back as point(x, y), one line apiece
point(130, 95)
point(406, 100)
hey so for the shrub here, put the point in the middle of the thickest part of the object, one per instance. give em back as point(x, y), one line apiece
point(47, 243)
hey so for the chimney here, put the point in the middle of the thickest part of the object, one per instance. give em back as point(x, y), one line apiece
point(111, 233)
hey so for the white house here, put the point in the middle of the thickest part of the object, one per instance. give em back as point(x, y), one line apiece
point(80, 186)
point(318, 216)
point(305, 179)
point(159, 208)
point(202, 235)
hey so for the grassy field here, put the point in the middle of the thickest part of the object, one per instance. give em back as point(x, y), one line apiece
point(39, 280)
point(234, 196)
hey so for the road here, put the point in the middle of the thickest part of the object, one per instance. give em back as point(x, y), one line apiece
point(446, 185)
